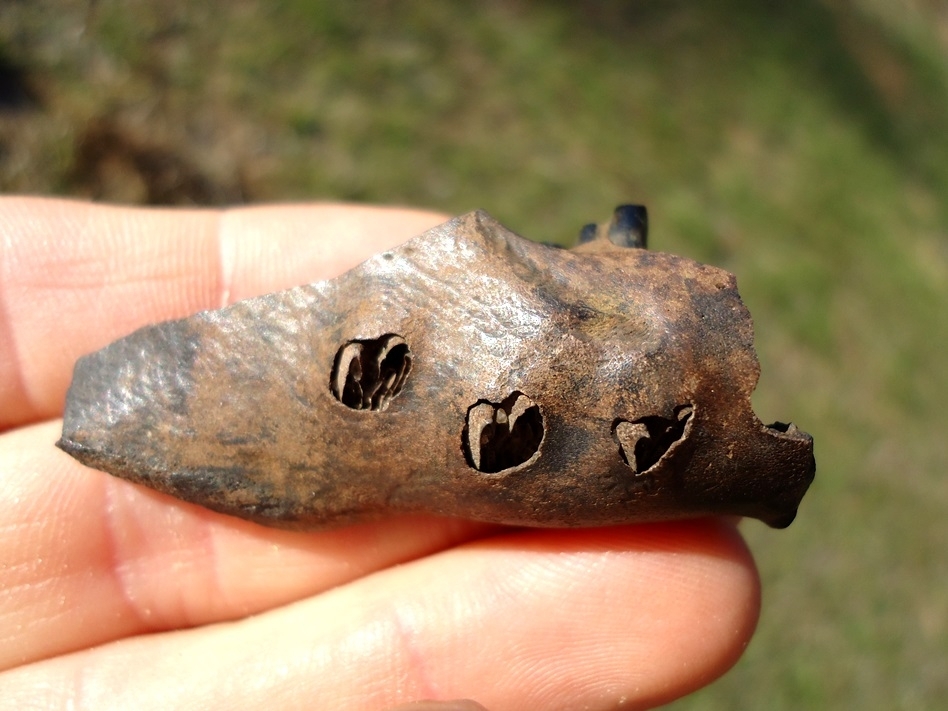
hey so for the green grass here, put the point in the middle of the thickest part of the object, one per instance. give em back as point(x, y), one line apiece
point(802, 147)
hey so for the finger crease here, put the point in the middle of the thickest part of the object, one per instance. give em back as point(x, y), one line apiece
point(417, 679)
point(226, 259)
point(21, 399)
point(75, 696)
point(213, 595)
point(116, 563)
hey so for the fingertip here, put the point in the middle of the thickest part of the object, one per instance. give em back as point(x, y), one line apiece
point(645, 613)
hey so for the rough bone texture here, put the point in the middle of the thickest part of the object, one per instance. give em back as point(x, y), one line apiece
point(468, 372)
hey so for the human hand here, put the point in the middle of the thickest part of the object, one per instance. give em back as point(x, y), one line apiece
point(116, 596)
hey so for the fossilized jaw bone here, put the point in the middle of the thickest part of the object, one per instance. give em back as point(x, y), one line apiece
point(468, 372)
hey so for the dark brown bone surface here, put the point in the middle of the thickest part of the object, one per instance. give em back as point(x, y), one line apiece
point(468, 372)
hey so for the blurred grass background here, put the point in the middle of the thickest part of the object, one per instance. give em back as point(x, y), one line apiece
point(803, 146)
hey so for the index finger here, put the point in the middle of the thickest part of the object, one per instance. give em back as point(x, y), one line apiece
point(75, 276)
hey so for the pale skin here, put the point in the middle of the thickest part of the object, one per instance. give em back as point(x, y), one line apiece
point(115, 597)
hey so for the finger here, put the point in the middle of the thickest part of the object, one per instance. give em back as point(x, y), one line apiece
point(594, 619)
point(456, 705)
point(75, 276)
point(86, 558)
